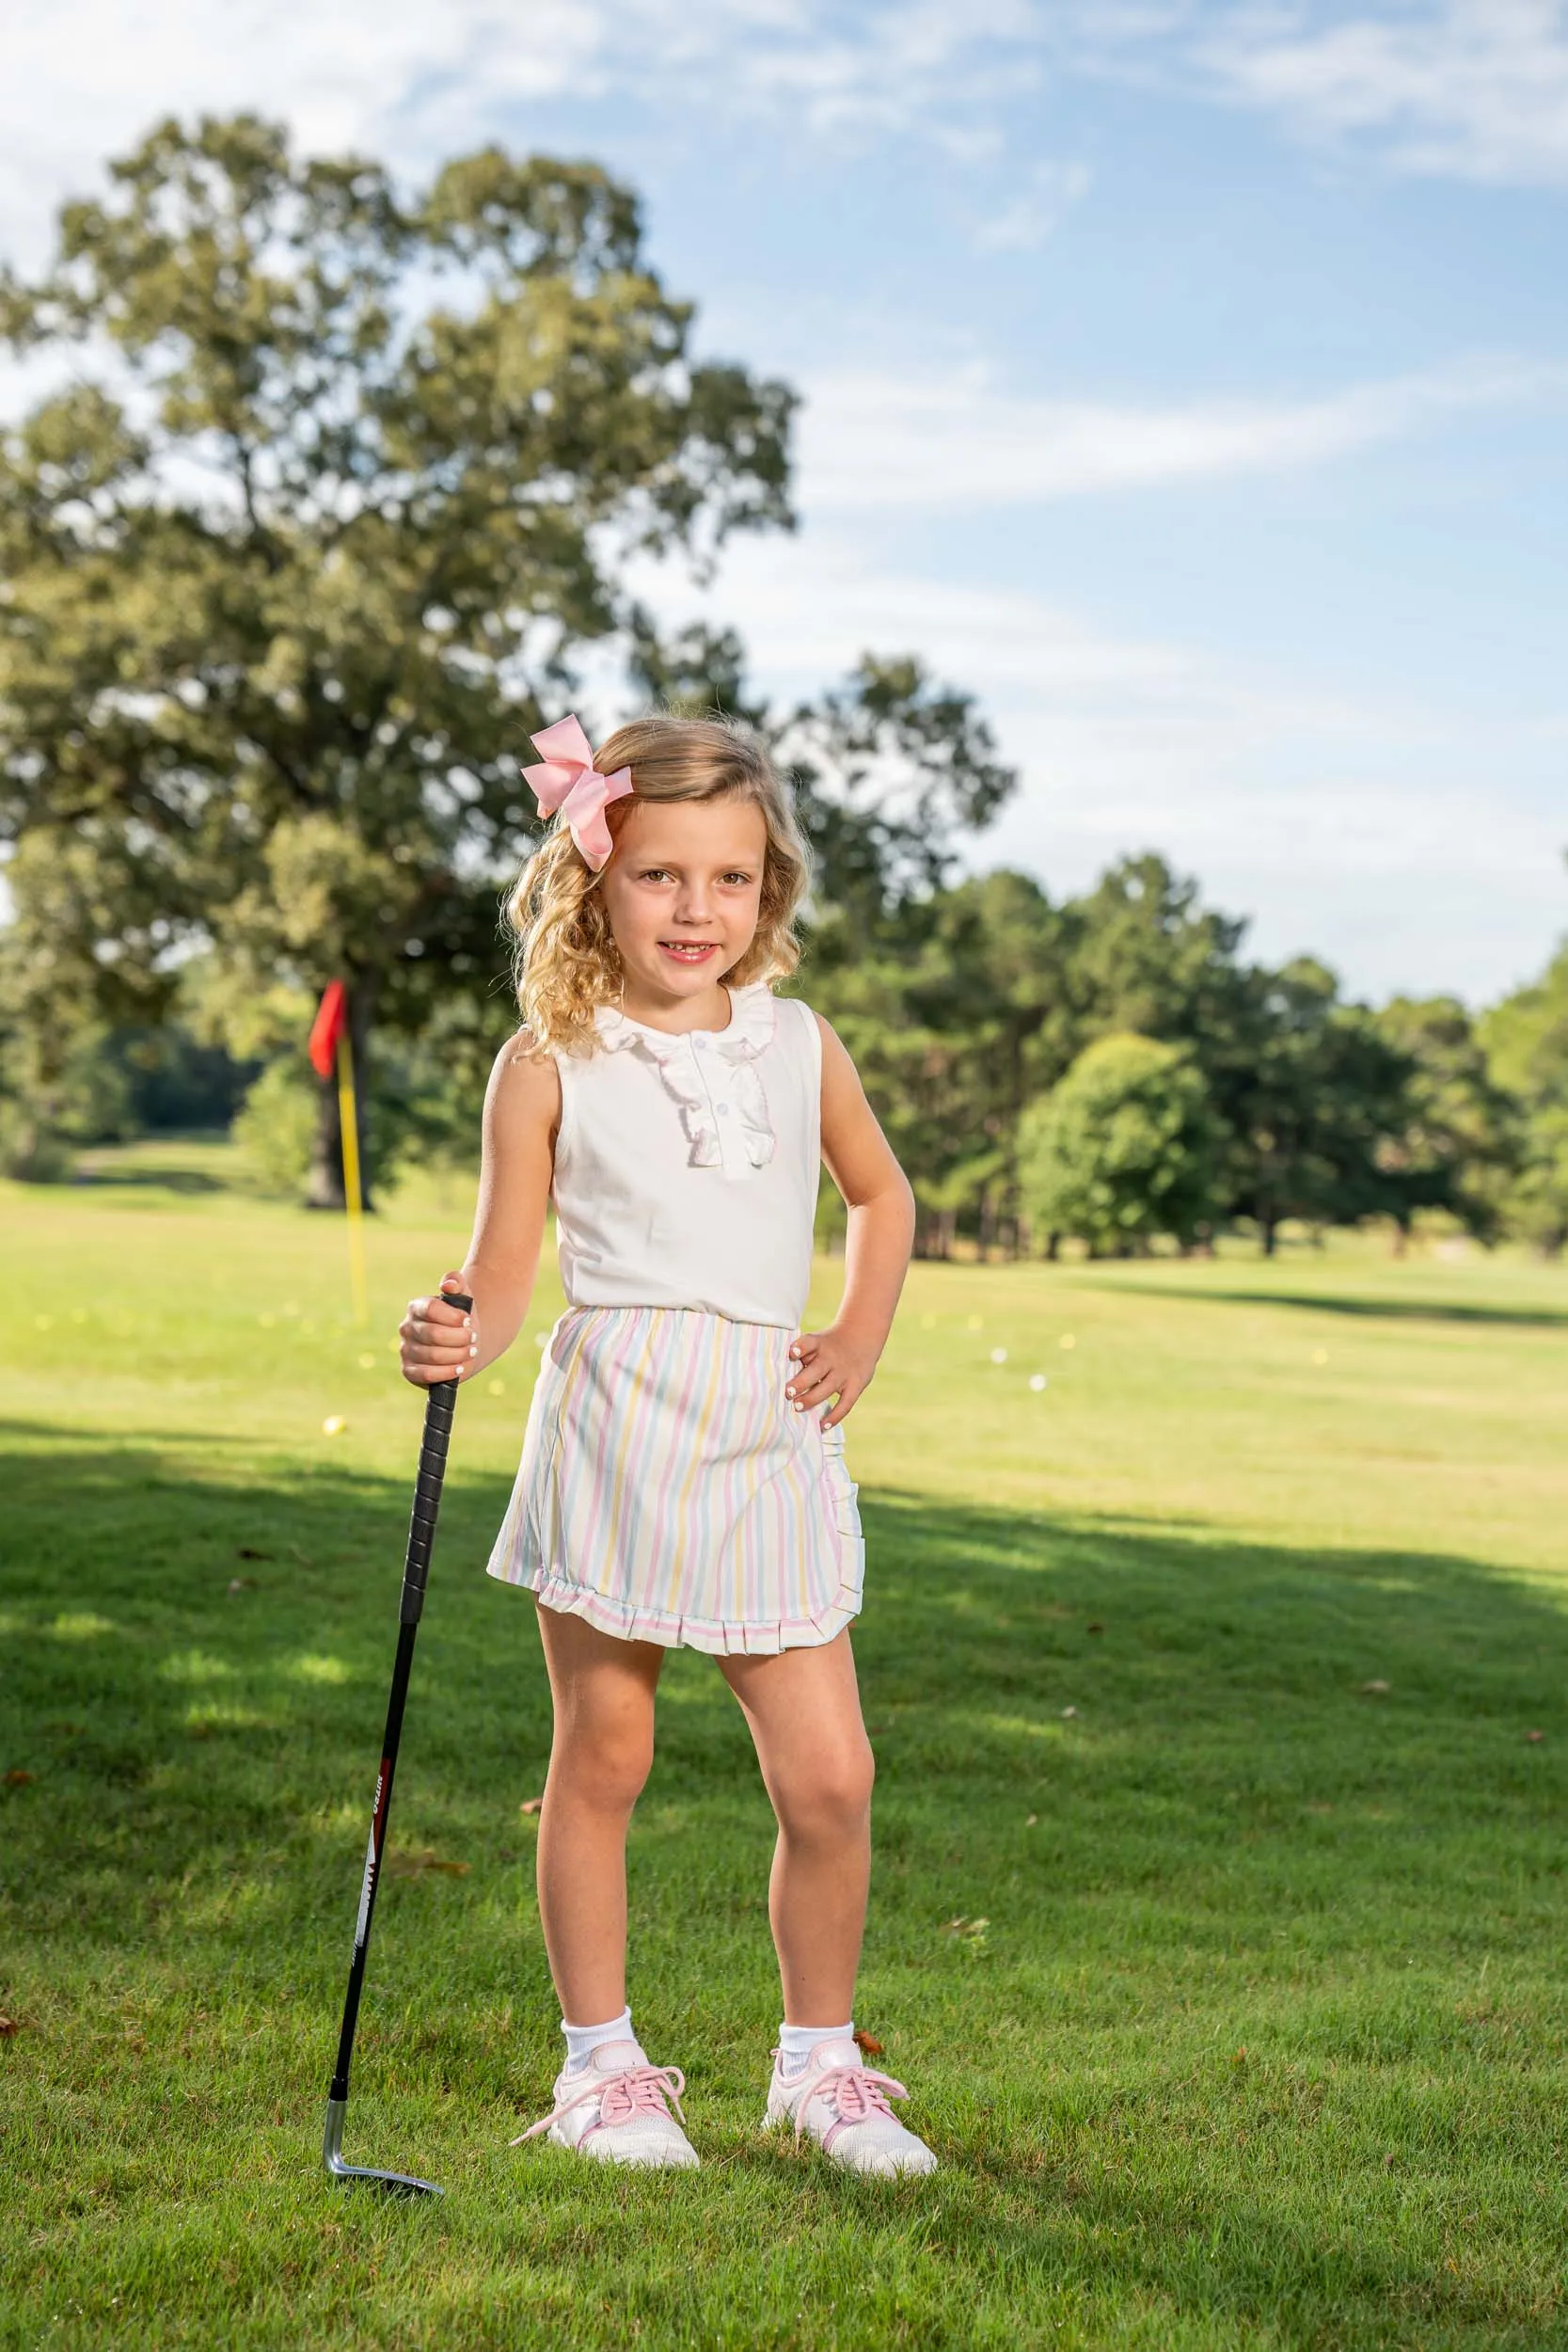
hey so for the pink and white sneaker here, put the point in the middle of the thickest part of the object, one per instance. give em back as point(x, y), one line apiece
point(617, 2109)
point(840, 2103)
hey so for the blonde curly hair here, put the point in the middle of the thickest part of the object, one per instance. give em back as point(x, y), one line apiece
point(566, 963)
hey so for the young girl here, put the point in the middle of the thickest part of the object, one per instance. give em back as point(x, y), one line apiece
point(683, 1480)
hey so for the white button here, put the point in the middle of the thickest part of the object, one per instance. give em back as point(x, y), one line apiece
point(723, 1111)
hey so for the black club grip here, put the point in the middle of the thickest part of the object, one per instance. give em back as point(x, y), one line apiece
point(440, 1401)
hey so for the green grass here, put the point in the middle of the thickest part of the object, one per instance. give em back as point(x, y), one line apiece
point(1262, 2044)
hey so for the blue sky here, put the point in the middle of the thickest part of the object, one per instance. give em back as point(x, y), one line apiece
point(1189, 381)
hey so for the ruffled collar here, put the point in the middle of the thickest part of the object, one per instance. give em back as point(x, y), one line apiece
point(754, 1016)
point(745, 1141)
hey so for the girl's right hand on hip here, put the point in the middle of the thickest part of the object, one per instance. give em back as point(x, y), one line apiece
point(438, 1342)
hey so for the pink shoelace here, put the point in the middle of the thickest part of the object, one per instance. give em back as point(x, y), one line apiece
point(641, 2090)
point(856, 2095)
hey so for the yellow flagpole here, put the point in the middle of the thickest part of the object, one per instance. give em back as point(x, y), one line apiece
point(348, 1121)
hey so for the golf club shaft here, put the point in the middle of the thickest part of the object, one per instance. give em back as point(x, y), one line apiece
point(439, 1403)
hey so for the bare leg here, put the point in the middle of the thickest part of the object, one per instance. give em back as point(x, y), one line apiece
point(805, 1713)
point(603, 1690)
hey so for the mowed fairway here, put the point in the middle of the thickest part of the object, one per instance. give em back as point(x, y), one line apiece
point(1221, 1909)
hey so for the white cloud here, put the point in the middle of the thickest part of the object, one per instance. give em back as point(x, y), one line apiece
point(416, 78)
point(873, 441)
point(1477, 87)
point(881, 70)
point(83, 81)
point(1473, 89)
point(1036, 211)
point(1401, 886)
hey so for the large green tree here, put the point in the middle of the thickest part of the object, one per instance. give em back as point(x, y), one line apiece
point(1459, 1145)
point(304, 545)
point(1123, 1149)
point(946, 1007)
point(1146, 956)
point(1321, 1097)
point(1525, 1040)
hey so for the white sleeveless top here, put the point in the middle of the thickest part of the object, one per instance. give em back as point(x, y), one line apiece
point(686, 1167)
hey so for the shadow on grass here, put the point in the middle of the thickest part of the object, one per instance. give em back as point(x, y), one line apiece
point(180, 1179)
point(1367, 1309)
point(1254, 1774)
point(25, 1432)
point(1158, 1678)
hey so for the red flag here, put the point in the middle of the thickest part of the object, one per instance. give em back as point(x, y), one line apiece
point(327, 1028)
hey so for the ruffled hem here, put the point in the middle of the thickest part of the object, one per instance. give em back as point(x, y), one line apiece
point(766, 1515)
point(720, 1638)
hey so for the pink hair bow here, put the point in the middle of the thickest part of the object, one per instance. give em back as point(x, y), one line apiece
point(568, 781)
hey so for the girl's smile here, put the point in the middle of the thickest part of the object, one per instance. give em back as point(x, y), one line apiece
point(683, 892)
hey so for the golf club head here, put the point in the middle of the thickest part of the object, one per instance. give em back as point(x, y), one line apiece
point(390, 2184)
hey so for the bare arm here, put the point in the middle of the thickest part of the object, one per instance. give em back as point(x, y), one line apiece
point(522, 1113)
point(840, 1361)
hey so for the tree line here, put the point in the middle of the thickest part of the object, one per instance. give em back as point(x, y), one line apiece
point(1113, 1069)
point(336, 488)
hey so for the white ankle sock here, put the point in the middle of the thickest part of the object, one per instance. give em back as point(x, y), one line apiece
point(582, 2041)
point(797, 2042)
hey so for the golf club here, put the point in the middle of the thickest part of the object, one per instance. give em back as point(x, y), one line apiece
point(439, 1402)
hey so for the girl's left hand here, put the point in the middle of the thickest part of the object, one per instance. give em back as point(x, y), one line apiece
point(831, 1362)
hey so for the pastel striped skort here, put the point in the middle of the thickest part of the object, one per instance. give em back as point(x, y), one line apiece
point(670, 1492)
